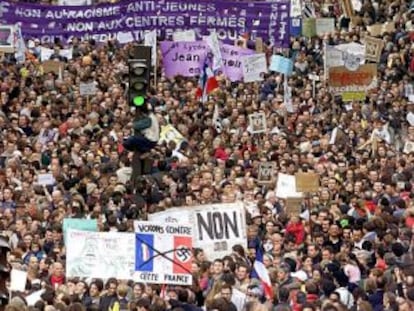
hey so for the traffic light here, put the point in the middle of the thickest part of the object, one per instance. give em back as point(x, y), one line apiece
point(4, 272)
point(139, 65)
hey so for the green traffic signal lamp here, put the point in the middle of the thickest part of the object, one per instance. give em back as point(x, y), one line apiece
point(138, 101)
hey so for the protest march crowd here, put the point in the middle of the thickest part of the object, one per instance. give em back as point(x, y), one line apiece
point(345, 244)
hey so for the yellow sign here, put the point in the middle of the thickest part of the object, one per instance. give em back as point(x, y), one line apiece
point(351, 96)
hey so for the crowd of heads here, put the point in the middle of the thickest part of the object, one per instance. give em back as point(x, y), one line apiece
point(350, 247)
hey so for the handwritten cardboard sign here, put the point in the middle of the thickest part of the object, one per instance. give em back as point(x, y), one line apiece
point(52, 66)
point(293, 206)
point(377, 30)
point(87, 88)
point(307, 182)
point(373, 48)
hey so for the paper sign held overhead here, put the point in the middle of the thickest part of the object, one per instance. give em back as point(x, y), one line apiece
point(324, 26)
point(18, 280)
point(309, 27)
point(187, 35)
point(286, 187)
point(293, 206)
point(307, 182)
point(7, 42)
point(281, 64)
point(52, 66)
point(45, 179)
point(87, 88)
point(254, 66)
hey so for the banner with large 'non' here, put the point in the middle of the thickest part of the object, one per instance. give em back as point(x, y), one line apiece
point(216, 227)
point(132, 19)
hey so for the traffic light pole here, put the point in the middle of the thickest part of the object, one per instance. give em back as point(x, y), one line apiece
point(139, 64)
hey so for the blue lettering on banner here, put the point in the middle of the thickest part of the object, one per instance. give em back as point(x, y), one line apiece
point(144, 252)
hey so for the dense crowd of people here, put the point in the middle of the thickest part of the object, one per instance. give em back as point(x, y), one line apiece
point(351, 248)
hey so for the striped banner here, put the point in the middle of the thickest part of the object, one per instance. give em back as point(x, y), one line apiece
point(347, 8)
point(308, 10)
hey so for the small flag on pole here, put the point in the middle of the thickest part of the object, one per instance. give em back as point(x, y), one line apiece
point(207, 84)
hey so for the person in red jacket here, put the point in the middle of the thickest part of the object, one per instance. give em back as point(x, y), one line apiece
point(296, 228)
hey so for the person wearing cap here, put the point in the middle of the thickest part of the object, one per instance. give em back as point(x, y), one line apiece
point(146, 131)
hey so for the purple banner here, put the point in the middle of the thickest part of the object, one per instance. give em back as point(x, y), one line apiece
point(183, 58)
point(232, 66)
point(187, 59)
point(268, 20)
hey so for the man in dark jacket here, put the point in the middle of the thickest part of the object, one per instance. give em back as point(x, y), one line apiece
point(110, 296)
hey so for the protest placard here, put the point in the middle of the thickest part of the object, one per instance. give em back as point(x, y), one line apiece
point(18, 280)
point(163, 253)
point(187, 35)
point(266, 173)
point(216, 227)
point(373, 48)
point(309, 27)
point(52, 66)
point(257, 123)
point(286, 187)
point(232, 65)
point(170, 133)
point(183, 58)
point(7, 39)
point(350, 55)
point(377, 30)
point(100, 254)
point(87, 88)
point(295, 8)
point(353, 96)
point(281, 64)
point(79, 224)
point(343, 80)
point(324, 26)
point(34, 297)
point(124, 37)
point(307, 182)
point(46, 53)
point(293, 206)
point(45, 179)
point(254, 66)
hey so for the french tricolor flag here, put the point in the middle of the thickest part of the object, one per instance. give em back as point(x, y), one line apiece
point(207, 84)
point(262, 274)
